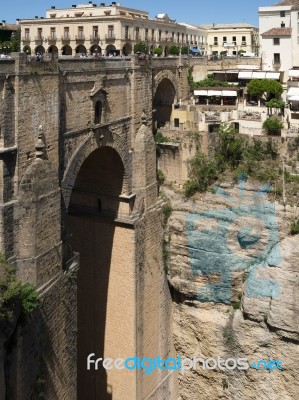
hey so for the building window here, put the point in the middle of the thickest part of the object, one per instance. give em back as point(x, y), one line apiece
point(224, 39)
point(98, 109)
point(137, 33)
point(176, 122)
point(282, 25)
point(172, 36)
point(234, 40)
point(216, 41)
point(95, 32)
point(282, 13)
point(53, 33)
point(126, 32)
point(153, 34)
point(110, 31)
point(80, 32)
point(66, 32)
point(276, 41)
point(146, 34)
point(160, 34)
point(27, 34)
point(243, 38)
point(40, 33)
point(276, 58)
point(182, 38)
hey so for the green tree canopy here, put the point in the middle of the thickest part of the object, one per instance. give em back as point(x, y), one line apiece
point(264, 87)
point(184, 50)
point(273, 125)
point(140, 48)
point(174, 50)
point(158, 51)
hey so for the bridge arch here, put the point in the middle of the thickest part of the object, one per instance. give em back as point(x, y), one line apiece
point(88, 146)
point(165, 95)
point(95, 228)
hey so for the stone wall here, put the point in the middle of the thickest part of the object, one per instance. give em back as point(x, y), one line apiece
point(48, 130)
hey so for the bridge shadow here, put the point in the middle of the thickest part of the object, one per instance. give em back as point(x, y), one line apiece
point(94, 204)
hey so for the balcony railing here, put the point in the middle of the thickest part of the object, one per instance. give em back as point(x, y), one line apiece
point(276, 62)
point(38, 38)
point(26, 38)
point(94, 39)
point(80, 37)
point(65, 38)
point(128, 37)
point(52, 38)
point(110, 36)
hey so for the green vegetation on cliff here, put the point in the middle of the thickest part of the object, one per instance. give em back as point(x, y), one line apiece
point(235, 155)
point(14, 293)
point(209, 81)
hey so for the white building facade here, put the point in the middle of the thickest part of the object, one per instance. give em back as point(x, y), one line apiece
point(279, 36)
point(231, 38)
point(103, 29)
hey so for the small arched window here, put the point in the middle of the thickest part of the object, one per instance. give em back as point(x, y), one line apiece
point(98, 108)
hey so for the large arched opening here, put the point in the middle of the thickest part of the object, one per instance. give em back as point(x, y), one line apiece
point(40, 49)
point(110, 50)
point(127, 49)
point(66, 50)
point(53, 50)
point(105, 278)
point(81, 49)
point(163, 100)
point(95, 49)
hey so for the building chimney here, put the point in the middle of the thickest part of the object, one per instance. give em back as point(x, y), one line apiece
point(102, 4)
point(52, 7)
point(74, 5)
point(113, 3)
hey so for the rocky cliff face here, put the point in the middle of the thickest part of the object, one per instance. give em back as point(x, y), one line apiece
point(234, 273)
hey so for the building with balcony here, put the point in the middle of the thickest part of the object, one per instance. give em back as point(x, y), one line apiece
point(230, 39)
point(279, 36)
point(104, 29)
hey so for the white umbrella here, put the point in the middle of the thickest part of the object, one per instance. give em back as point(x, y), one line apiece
point(294, 98)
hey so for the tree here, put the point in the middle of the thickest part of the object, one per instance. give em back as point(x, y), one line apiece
point(264, 87)
point(158, 51)
point(276, 104)
point(184, 50)
point(202, 173)
point(16, 40)
point(230, 147)
point(174, 50)
point(140, 48)
point(273, 125)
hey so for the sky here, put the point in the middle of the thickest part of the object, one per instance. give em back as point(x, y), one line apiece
point(189, 11)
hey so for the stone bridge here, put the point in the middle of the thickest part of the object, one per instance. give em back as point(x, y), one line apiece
point(81, 220)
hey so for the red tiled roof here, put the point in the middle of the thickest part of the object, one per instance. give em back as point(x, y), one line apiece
point(278, 32)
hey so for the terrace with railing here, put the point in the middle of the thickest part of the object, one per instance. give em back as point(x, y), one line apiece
point(250, 115)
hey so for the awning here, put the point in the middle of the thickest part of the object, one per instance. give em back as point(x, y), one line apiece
point(229, 93)
point(272, 75)
point(195, 50)
point(294, 73)
point(200, 92)
point(258, 75)
point(245, 75)
point(293, 91)
point(214, 92)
